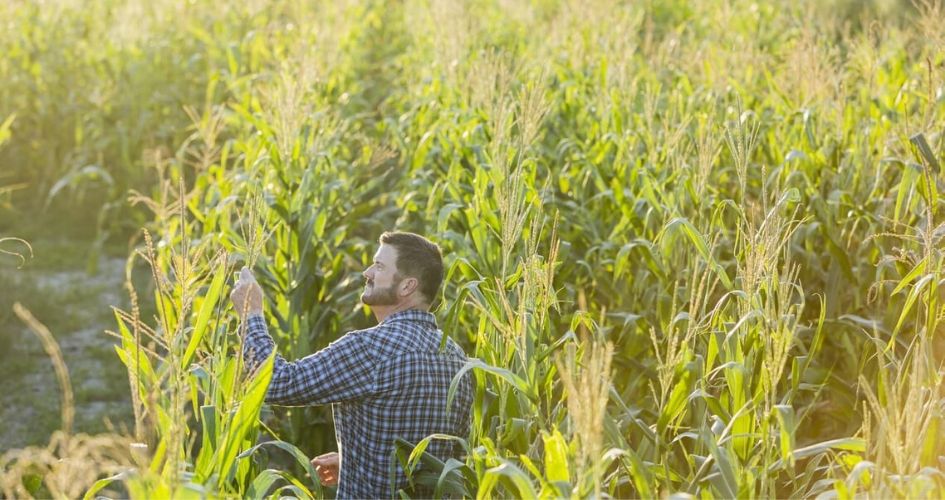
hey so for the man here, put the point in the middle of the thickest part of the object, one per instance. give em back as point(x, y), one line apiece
point(386, 382)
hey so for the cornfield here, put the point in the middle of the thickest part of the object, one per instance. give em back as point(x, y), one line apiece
point(693, 248)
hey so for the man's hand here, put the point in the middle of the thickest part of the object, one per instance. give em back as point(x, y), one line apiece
point(327, 468)
point(247, 294)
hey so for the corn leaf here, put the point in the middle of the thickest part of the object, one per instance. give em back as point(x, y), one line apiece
point(203, 317)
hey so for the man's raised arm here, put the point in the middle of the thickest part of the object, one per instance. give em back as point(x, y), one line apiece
point(342, 371)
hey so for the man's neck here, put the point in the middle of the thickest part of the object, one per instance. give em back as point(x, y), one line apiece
point(382, 312)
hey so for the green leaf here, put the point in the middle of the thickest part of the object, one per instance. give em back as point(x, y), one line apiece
point(102, 484)
point(131, 354)
point(913, 274)
point(78, 176)
point(676, 405)
point(5, 127)
point(695, 237)
point(297, 454)
point(786, 425)
point(924, 152)
point(856, 445)
point(910, 301)
point(846, 444)
point(516, 481)
point(209, 419)
point(724, 482)
point(420, 448)
point(533, 469)
point(206, 309)
point(556, 457)
point(449, 478)
point(296, 487)
point(244, 418)
point(443, 216)
point(165, 309)
point(449, 483)
point(501, 373)
point(909, 176)
point(639, 474)
point(262, 483)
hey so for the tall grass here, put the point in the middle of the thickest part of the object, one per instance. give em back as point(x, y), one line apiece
point(693, 254)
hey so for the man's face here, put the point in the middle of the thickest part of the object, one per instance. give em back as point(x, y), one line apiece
point(382, 279)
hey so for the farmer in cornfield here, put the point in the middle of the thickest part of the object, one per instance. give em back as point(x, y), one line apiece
point(386, 382)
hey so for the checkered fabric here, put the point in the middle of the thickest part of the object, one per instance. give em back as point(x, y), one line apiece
point(384, 382)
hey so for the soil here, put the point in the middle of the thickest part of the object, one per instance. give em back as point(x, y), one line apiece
point(76, 307)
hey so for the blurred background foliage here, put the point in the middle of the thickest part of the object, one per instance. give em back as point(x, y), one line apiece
point(719, 224)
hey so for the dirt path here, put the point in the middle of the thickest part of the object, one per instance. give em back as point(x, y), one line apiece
point(76, 307)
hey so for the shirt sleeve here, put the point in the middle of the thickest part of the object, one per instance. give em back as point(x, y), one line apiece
point(343, 371)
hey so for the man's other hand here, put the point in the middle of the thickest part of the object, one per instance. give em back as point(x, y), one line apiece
point(327, 468)
point(247, 294)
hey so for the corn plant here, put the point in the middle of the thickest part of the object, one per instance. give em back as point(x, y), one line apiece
point(692, 254)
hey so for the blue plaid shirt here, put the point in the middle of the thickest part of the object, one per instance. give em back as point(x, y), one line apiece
point(384, 382)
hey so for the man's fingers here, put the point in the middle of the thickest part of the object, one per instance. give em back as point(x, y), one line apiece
point(327, 479)
point(326, 466)
point(326, 475)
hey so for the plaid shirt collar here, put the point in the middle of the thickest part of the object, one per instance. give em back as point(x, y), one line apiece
point(415, 315)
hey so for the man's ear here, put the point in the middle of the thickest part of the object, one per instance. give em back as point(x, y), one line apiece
point(408, 286)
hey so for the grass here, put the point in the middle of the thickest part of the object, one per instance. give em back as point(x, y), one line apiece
point(696, 253)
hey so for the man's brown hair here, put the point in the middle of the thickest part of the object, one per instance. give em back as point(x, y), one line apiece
point(418, 258)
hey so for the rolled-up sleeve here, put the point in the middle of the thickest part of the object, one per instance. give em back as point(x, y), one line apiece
point(343, 371)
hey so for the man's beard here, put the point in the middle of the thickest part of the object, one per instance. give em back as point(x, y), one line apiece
point(380, 296)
